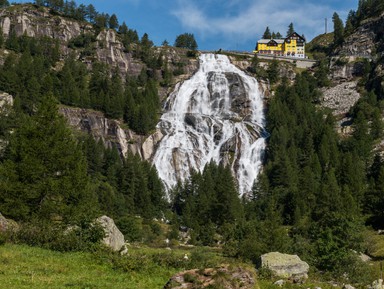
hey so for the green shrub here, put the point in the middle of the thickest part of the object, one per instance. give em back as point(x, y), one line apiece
point(169, 260)
point(82, 237)
point(83, 40)
point(191, 53)
point(134, 263)
point(3, 239)
point(265, 273)
point(200, 258)
point(131, 227)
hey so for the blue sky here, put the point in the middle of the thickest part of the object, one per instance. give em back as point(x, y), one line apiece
point(230, 24)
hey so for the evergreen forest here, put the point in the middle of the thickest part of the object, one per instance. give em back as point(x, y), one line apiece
point(318, 193)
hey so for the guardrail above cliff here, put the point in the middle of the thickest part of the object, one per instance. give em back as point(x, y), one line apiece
point(300, 62)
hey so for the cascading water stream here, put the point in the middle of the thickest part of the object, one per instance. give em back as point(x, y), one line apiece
point(218, 115)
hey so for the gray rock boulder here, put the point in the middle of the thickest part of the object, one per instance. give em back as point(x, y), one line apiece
point(113, 239)
point(377, 284)
point(285, 266)
point(7, 225)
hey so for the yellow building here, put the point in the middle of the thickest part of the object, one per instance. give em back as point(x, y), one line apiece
point(292, 46)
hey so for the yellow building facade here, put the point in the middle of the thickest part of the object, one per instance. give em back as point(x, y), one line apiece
point(292, 46)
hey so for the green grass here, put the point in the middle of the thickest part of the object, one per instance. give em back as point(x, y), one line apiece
point(375, 244)
point(29, 267)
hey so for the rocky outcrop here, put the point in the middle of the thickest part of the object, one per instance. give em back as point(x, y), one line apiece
point(285, 266)
point(363, 42)
point(111, 132)
point(33, 22)
point(238, 94)
point(346, 68)
point(225, 277)
point(111, 50)
point(340, 98)
point(150, 144)
point(113, 239)
point(100, 127)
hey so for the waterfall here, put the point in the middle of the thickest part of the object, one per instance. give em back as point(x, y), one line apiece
point(218, 115)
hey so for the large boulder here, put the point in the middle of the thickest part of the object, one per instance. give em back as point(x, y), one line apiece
point(7, 225)
point(285, 266)
point(113, 239)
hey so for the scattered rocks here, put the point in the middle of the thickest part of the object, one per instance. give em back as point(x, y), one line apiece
point(113, 239)
point(286, 266)
point(341, 97)
point(223, 277)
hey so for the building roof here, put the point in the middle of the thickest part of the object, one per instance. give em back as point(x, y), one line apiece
point(266, 41)
point(295, 34)
point(281, 40)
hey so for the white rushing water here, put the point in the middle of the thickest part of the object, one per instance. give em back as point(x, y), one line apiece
point(217, 114)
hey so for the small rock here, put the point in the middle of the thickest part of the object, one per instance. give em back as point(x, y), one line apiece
point(377, 284)
point(279, 283)
point(124, 250)
point(348, 286)
point(365, 258)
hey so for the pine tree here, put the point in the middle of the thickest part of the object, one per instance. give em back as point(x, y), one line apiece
point(267, 33)
point(290, 29)
point(338, 30)
point(45, 173)
point(186, 40)
point(113, 22)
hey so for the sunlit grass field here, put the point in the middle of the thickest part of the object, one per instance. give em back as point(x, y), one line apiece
point(30, 267)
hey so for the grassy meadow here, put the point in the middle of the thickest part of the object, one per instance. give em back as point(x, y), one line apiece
point(35, 268)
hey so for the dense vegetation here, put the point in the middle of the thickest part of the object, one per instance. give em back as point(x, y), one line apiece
point(316, 193)
point(47, 173)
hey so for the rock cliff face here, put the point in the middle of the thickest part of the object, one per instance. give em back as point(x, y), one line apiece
point(111, 132)
point(363, 42)
point(34, 21)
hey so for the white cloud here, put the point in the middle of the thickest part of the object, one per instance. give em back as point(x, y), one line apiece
point(250, 21)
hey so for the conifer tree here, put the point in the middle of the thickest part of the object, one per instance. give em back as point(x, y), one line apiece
point(338, 30)
point(290, 29)
point(267, 33)
point(45, 173)
point(113, 22)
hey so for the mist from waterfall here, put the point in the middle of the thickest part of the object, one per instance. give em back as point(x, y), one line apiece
point(217, 114)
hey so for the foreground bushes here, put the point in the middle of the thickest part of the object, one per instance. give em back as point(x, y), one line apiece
point(81, 237)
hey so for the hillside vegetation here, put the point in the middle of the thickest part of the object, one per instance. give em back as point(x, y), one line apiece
point(318, 196)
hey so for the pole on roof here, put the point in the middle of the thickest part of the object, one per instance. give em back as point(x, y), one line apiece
point(326, 25)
